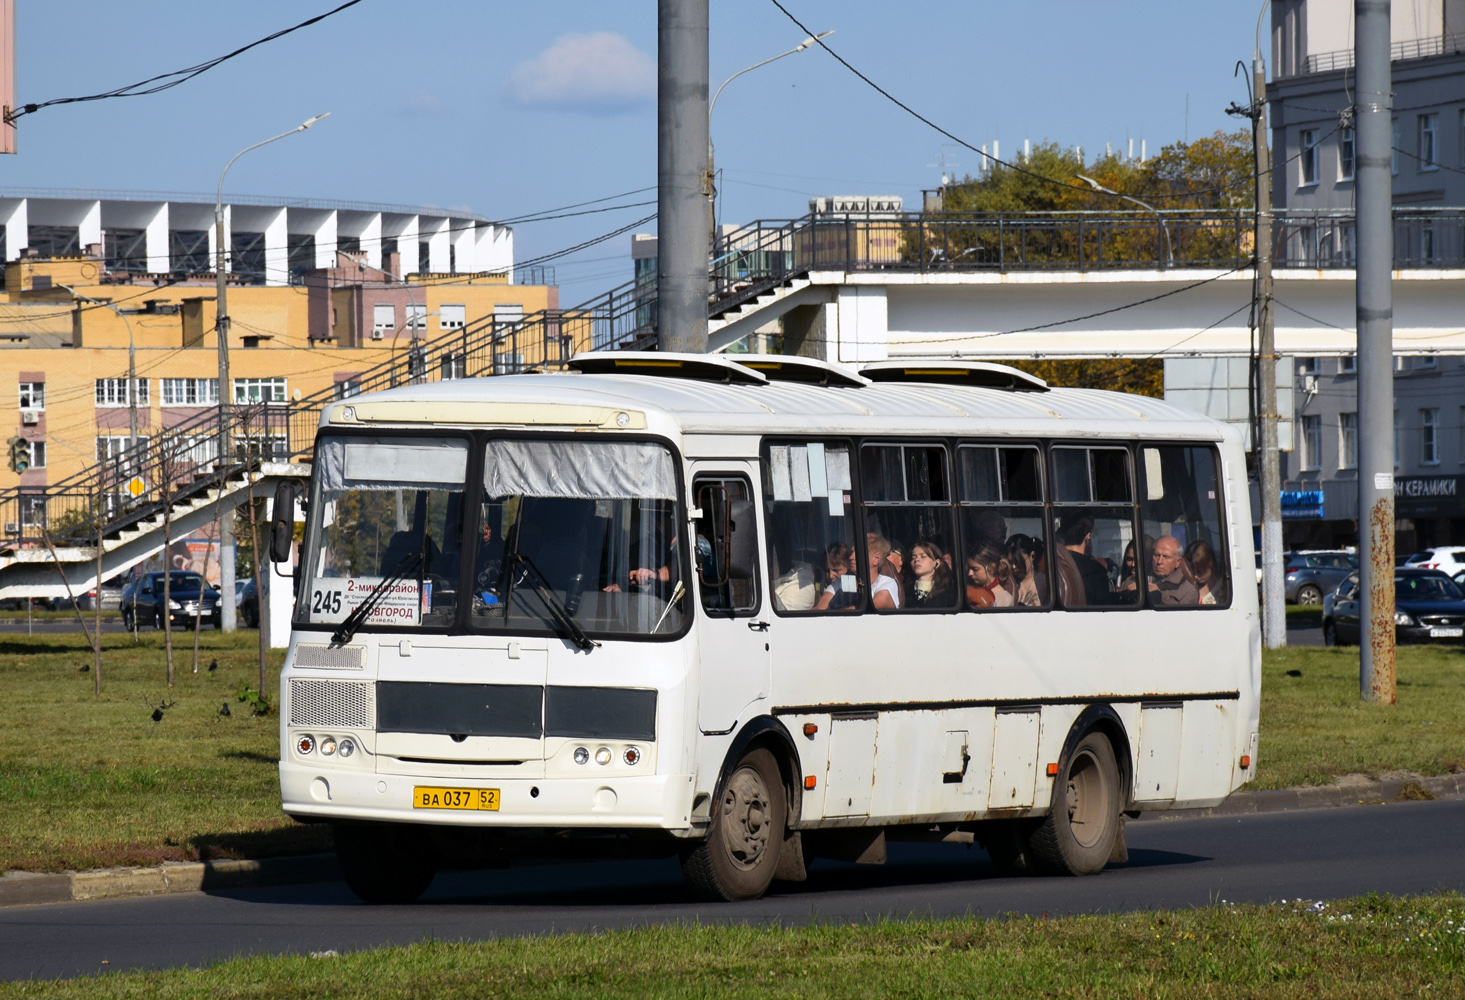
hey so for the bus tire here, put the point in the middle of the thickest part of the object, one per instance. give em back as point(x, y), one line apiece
point(1077, 836)
point(737, 858)
point(386, 863)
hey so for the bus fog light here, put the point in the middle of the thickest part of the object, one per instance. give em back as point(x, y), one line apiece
point(347, 748)
point(582, 756)
point(327, 745)
point(603, 755)
point(305, 744)
point(632, 755)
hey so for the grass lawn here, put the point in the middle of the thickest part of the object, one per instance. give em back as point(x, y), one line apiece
point(1364, 948)
point(88, 782)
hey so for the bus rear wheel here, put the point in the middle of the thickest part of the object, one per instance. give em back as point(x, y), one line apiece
point(737, 858)
point(386, 863)
point(1077, 836)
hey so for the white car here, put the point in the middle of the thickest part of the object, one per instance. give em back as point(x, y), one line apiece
point(1449, 559)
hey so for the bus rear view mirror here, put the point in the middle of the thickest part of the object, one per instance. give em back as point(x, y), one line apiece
point(282, 520)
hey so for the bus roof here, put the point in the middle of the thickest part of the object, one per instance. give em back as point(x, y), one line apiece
point(688, 406)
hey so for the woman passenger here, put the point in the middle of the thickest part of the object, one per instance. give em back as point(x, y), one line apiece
point(1206, 572)
point(933, 585)
point(838, 563)
point(884, 591)
point(1021, 563)
point(984, 568)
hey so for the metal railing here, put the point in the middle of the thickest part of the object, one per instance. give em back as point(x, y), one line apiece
point(1414, 48)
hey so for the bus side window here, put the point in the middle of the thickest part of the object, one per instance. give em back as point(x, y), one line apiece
point(1095, 550)
point(1181, 511)
point(724, 591)
point(811, 535)
point(911, 562)
point(1004, 561)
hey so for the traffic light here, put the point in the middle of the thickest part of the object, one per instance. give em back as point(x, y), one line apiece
point(20, 454)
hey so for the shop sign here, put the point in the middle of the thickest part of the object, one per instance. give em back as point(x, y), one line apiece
point(1423, 496)
point(1301, 504)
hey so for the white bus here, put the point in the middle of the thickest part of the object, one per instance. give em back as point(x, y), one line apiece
point(754, 612)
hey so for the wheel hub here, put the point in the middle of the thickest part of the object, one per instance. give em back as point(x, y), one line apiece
point(745, 811)
point(1084, 798)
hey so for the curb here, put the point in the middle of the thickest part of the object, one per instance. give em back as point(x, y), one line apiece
point(21, 888)
point(1363, 793)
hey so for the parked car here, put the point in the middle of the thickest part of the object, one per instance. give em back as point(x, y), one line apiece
point(142, 600)
point(1449, 559)
point(1308, 575)
point(1428, 607)
point(248, 604)
point(111, 596)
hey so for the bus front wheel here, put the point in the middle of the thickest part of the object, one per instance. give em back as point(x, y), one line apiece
point(1077, 836)
point(386, 863)
point(737, 858)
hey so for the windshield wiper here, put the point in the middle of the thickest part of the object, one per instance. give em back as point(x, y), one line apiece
point(559, 615)
point(363, 610)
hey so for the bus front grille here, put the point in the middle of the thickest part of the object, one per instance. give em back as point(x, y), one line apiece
point(339, 704)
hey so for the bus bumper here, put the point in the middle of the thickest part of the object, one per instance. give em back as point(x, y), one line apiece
point(657, 801)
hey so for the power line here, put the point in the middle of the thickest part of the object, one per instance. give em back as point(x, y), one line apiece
point(588, 243)
point(588, 211)
point(578, 204)
point(166, 81)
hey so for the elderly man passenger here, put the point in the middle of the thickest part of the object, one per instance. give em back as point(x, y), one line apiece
point(1171, 584)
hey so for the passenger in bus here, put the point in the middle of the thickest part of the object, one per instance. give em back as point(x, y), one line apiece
point(838, 564)
point(895, 569)
point(984, 570)
point(1024, 579)
point(1171, 585)
point(1206, 572)
point(1076, 534)
point(988, 527)
point(932, 584)
point(884, 591)
point(1129, 577)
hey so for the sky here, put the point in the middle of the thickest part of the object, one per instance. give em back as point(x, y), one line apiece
point(509, 109)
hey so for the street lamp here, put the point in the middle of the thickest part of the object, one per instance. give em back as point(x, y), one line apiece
point(221, 321)
point(1169, 251)
point(711, 187)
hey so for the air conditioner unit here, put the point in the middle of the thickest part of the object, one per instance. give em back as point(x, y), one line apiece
point(12, 527)
point(376, 334)
point(29, 417)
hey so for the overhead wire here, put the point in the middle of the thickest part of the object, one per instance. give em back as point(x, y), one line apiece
point(166, 81)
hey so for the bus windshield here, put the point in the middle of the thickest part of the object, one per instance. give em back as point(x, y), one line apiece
point(566, 537)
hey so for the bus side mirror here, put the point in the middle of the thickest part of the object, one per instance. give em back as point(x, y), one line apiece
point(742, 542)
point(282, 520)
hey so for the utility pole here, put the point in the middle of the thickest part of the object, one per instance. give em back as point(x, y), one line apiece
point(683, 182)
point(1373, 113)
point(1274, 609)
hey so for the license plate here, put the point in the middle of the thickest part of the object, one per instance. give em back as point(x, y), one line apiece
point(1447, 633)
point(455, 798)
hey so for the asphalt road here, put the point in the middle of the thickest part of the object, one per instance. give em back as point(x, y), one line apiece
point(1398, 848)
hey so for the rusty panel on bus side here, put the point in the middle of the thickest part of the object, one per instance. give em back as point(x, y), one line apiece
point(1014, 759)
point(932, 763)
point(851, 765)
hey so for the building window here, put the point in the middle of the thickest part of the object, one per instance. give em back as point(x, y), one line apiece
point(1426, 243)
point(38, 454)
point(1394, 147)
point(1348, 364)
point(1462, 137)
point(1398, 440)
point(1312, 442)
point(1307, 366)
point(1345, 154)
point(113, 392)
point(114, 446)
point(259, 390)
point(1348, 440)
point(1462, 435)
point(348, 387)
point(1429, 128)
point(452, 317)
point(1426, 361)
point(1307, 143)
point(416, 317)
point(453, 366)
point(1429, 436)
point(190, 391)
point(383, 317)
point(32, 395)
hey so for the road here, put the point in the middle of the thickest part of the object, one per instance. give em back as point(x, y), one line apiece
point(1173, 863)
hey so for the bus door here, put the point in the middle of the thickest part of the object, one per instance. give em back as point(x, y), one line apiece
point(732, 622)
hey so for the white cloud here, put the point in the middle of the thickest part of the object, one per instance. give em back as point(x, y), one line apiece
point(420, 103)
point(597, 72)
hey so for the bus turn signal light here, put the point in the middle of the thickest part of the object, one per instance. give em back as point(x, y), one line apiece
point(810, 781)
point(1052, 770)
point(1245, 761)
point(810, 729)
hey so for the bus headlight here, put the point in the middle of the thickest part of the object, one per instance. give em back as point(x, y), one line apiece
point(582, 756)
point(347, 748)
point(603, 755)
point(327, 745)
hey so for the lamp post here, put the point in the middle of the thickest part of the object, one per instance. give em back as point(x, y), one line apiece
point(711, 175)
point(221, 328)
point(1169, 251)
point(221, 321)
